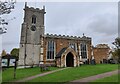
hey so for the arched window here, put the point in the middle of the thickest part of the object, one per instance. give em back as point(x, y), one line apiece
point(34, 19)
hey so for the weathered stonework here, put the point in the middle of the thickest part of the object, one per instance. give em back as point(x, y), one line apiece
point(31, 41)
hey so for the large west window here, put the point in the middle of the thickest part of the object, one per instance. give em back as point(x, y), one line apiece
point(83, 48)
point(73, 46)
point(50, 50)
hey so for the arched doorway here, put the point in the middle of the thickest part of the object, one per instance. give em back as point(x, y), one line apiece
point(69, 60)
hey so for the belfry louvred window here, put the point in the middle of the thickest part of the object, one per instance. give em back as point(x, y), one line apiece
point(34, 19)
point(50, 50)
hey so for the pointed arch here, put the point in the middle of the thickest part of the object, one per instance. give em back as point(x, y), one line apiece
point(67, 57)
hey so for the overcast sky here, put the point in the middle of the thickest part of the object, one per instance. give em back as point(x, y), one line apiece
point(97, 20)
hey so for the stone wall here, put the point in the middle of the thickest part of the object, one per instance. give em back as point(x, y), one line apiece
point(32, 54)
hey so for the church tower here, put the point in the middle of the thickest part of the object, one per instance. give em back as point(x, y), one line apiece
point(32, 32)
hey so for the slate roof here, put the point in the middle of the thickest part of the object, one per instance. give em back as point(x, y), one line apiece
point(61, 52)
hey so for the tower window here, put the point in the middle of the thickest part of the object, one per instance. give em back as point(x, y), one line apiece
point(34, 19)
point(50, 50)
point(83, 47)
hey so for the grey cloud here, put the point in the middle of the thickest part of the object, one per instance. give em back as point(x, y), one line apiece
point(9, 43)
point(8, 46)
point(105, 24)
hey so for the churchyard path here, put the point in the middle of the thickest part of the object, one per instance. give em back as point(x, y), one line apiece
point(95, 77)
point(39, 75)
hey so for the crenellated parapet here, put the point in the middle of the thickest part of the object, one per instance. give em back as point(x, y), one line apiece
point(35, 9)
point(66, 37)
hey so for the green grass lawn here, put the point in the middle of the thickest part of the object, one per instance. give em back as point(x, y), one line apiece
point(113, 78)
point(7, 75)
point(76, 73)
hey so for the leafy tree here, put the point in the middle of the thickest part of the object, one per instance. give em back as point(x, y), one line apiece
point(15, 52)
point(3, 53)
point(116, 53)
point(117, 43)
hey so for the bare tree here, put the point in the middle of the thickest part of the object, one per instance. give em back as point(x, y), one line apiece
point(6, 6)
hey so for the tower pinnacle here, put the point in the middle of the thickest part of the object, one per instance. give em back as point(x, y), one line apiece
point(25, 4)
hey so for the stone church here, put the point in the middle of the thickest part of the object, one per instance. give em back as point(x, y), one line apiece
point(36, 47)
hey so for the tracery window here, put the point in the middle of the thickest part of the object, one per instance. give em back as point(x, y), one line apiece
point(83, 48)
